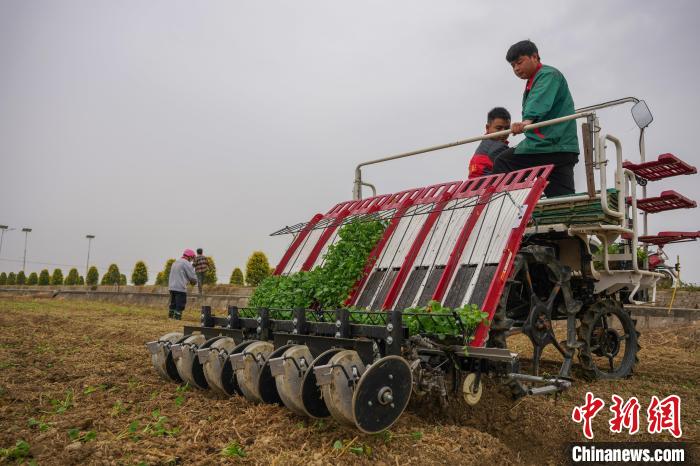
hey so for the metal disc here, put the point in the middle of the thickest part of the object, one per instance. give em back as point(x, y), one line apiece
point(293, 365)
point(217, 366)
point(311, 399)
point(187, 362)
point(162, 358)
point(471, 397)
point(248, 364)
point(267, 387)
point(338, 391)
point(236, 350)
point(382, 394)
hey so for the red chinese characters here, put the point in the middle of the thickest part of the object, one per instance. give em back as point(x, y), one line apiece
point(624, 415)
point(585, 414)
point(665, 415)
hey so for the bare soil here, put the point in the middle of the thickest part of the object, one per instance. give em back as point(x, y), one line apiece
point(77, 385)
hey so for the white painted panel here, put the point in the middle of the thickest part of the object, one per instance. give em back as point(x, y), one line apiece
point(442, 239)
point(490, 243)
point(299, 257)
point(406, 226)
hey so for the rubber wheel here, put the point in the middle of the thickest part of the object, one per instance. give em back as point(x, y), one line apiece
point(610, 341)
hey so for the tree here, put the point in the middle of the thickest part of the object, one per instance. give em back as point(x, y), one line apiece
point(11, 278)
point(44, 278)
point(163, 281)
point(210, 276)
point(21, 278)
point(57, 277)
point(112, 277)
point(93, 276)
point(139, 276)
point(3, 278)
point(72, 277)
point(32, 279)
point(122, 279)
point(236, 277)
point(81, 280)
point(257, 268)
point(159, 279)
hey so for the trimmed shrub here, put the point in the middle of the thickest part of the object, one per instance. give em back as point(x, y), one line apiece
point(236, 277)
point(257, 268)
point(210, 276)
point(93, 276)
point(32, 279)
point(11, 278)
point(81, 280)
point(57, 277)
point(44, 278)
point(72, 277)
point(112, 277)
point(122, 279)
point(3, 278)
point(163, 277)
point(139, 276)
point(21, 278)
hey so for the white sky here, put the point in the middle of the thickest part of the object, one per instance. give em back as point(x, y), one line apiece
point(162, 125)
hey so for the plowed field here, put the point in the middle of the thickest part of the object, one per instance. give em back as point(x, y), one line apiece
point(77, 386)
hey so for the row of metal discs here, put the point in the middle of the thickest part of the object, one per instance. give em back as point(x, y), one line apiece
point(334, 383)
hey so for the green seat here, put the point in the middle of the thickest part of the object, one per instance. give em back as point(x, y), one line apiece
point(575, 212)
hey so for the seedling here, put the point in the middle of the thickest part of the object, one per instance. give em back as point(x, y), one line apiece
point(233, 450)
point(18, 452)
point(157, 427)
point(42, 426)
point(61, 406)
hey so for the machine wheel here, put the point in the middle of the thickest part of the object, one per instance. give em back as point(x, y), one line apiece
point(610, 341)
point(267, 387)
point(162, 356)
point(471, 396)
point(217, 366)
point(248, 365)
point(382, 394)
point(311, 397)
point(538, 291)
point(289, 371)
point(187, 362)
point(337, 380)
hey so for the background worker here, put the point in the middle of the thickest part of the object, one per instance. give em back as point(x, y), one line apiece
point(201, 266)
point(181, 274)
point(546, 97)
point(481, 164)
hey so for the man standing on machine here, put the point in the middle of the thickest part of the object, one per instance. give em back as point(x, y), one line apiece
point(546, 97)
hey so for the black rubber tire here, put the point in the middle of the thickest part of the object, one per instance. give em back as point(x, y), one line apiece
point(585, 331)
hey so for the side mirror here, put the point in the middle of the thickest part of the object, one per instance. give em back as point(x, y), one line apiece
point(642, 115)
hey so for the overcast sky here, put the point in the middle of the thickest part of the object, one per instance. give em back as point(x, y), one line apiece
point(162, 125)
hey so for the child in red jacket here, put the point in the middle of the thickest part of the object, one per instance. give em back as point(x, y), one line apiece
point(483, 159)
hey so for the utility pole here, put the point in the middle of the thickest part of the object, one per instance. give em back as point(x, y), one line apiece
point(26, 236)
point(87, 263)
point(3, 229)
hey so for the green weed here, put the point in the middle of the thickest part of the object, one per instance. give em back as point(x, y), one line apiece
point(18, 452)
point(61, 406)
point(233, 450)
point(42, 426)
point(157, 427)
point(75, 434)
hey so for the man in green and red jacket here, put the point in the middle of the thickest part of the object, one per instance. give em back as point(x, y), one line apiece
point(546, 97)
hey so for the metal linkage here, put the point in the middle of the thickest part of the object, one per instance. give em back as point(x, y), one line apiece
point(320, 329)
